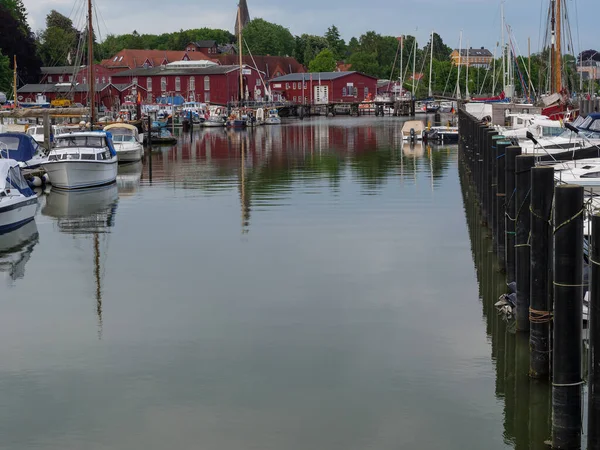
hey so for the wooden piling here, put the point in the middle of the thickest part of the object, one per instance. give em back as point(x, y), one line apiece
point(501, 146)
point(511, 154)
point(568, 293)
point(540, 316)
point(594, 333)
point(523, 165)
point(490, 159)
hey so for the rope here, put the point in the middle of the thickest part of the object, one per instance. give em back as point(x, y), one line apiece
point(549, 220)
point(501, 156)
point(579, 383)
point(522, 245)
point(594, 262)
point(569, 285)
point(536, 316)
point(523, 205)
point(568, 221)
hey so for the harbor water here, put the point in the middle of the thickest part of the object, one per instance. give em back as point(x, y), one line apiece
point(318, 284)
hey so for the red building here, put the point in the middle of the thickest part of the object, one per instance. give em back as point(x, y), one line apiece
point(194, 81)
point(270, 66)
point(73, 74)
point(129, 59)
point(206, 47)
point(324, 87)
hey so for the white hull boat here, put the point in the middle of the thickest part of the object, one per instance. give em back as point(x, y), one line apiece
point(127, 142)
point(273, 118)
point(412, 130)
point(18, 203)
point(82, 160)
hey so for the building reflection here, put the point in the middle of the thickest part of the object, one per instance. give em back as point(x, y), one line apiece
point(526, 402)
point(264, 163)
point(87, 214)
point(16, 247)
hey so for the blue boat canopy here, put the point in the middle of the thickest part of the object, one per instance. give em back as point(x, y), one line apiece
point(18, 146)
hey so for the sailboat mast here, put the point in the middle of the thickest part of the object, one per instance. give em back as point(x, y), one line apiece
point(431, 66)
point(414, 67)
point(239, 31)
point(467, 95)
point(459, 64)
point(552, 44)
point(401, 64)
point(503, 52)
point(91, 93)
point(15, 80)
point(558, 54)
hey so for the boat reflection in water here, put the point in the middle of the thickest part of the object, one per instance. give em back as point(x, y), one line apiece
point(84, 214)
point(128, 178)
point(16, 247)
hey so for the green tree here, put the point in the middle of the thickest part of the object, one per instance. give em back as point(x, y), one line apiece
point(265, 38)
point(353, 46)
point(335, 43)
point(19, 13)
point(6, 75)
point(441, 51)
point(15, 41)
point(58, 40)
point(365, 62)
point(323, 62)
point(307, 47)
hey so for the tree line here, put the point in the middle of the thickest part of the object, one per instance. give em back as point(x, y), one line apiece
point(60, 43)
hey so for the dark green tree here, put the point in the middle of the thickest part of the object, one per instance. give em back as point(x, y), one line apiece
point(6, 75)
point(335, 43)
point(266, 38)
point(58, 42)
point(364, 62)
point(323, 62)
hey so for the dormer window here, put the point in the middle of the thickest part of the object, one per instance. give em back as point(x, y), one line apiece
point(120, 59)
point(115, 60)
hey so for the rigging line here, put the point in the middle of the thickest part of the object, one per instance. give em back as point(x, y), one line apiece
point(400, 42)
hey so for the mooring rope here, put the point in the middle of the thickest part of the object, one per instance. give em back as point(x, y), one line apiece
point(537, 316)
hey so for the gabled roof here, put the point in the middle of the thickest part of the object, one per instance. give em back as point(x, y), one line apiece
point(165, 70)
point(266, 64)
point(61, 70)
point(481, 52)
point(316, 76)
point(205, 44)
point(131, 59)
point(59, 88)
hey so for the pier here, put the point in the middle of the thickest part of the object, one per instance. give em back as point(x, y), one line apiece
point(537, 239)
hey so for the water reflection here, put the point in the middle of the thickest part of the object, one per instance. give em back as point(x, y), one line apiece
point(128, 178)
point(526, 402)
point(16, 247)
point(267, 164)
point(85, 214)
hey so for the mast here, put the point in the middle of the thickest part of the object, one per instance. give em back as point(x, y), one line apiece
point(494, 70)
point(239, 30)
point(97, 279)
point(459, 63)
point(91, 93)
point(503, 51)
point(15, 80)
point(558, 54)
point(401, 64)
point(467, 95)
point(431, 67)
point(414, 67)
point(552, 44)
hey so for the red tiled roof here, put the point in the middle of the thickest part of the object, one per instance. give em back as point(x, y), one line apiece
point(131, 59)
point(266, 64)
point(343, 67)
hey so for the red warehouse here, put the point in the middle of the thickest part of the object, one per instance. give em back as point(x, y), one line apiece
point(201, 81)
point(324, 87)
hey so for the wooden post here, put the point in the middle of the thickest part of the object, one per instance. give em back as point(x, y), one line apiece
point(542, 193)
point(510, 226)
point(594, 327)
point(568, 305)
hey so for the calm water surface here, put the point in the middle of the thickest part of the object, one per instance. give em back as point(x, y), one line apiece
point(305, 286)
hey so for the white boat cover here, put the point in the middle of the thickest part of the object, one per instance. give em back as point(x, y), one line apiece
point(5, 166)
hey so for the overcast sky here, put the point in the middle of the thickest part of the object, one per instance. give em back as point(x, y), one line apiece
point(478, 19)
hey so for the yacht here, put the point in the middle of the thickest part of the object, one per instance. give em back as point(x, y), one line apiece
point(273, 117)
point(22, 148)
point(82, 159)
point(18, 203)
point(127, 142)
point(215, 117)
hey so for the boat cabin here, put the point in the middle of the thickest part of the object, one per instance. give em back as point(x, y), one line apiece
point(83, 146)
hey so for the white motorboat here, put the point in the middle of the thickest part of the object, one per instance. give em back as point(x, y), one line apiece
point(273, 117)
point(82, 159)
point(18, 203)
point(127, 142)
point(37, 132)
point(215, 118)
point(584, 172)
point(412, 130)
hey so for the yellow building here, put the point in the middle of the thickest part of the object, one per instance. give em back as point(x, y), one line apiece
point(473, 57)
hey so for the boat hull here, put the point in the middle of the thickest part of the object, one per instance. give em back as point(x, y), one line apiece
point(130, 153)
point(17, 213)
point(77, 174)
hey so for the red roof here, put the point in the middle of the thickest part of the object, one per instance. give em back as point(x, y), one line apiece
point(269, 65)
point(131, 59)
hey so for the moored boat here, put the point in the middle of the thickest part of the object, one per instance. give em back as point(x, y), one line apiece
point(273, 117)
point(18, 203)
point(412, 130)
point(81, 160)
point(22, 148)
point(127, 142)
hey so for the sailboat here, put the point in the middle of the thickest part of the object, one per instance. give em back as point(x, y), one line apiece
point(236, 119)
point(83, 159)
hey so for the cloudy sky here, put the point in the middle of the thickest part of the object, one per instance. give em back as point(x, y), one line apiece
point(478, 19)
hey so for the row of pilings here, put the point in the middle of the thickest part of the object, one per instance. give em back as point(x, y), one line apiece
point(537, 231)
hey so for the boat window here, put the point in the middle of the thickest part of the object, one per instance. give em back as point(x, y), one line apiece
point(80, 141)
point(16, 179)
point(591, 175)
point(123, 138)
point(595, 126)
point(552, 131)
point(87, 156)
point(9, 142)
point(586, 123)
point(53, 158)
point(578, 121)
